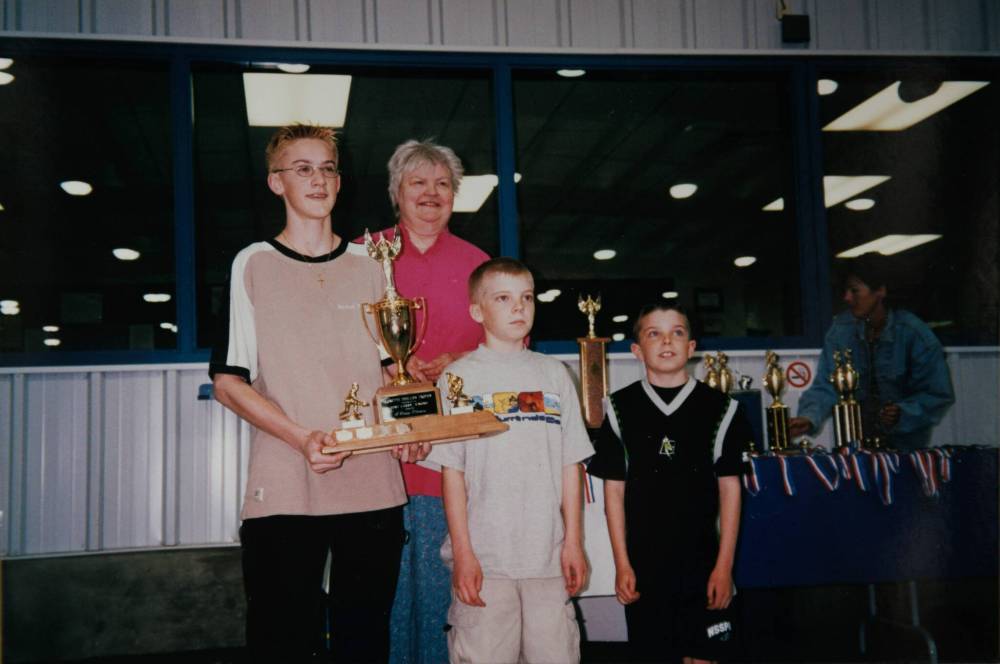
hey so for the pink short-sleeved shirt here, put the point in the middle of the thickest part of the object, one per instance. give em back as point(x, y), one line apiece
point(441, 275)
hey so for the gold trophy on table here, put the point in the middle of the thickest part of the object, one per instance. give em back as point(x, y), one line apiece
point(593, 365)
point(777, 412)
point(406, 411)
point(847, 411)
point(725, 373)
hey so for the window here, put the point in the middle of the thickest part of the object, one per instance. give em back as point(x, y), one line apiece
point(86, 223)
point(914, 153)
point(644, 186)
point(384, 107)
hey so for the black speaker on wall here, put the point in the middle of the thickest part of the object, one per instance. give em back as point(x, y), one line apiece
point(795, 28)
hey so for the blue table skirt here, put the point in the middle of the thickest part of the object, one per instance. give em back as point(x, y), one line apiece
point(849, 536)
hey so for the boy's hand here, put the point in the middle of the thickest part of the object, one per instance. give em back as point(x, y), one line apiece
point(467, 579)
point(312, 450)
point(720, 588)
point(625, 585)
point(574, 567)
point(411, 452)
point(415, 367)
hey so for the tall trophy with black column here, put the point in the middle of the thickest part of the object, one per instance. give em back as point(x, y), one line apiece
point(847, 427)
point(777, 412)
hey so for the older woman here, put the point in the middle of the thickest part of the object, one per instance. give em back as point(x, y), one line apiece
point(423, 180)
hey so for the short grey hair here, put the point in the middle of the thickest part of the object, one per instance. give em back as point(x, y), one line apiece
point(413, 154)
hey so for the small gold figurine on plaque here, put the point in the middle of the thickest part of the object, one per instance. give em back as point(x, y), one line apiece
point(352, 408)
point(460, 402)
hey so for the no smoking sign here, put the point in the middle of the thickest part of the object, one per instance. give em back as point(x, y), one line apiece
point(798, 374)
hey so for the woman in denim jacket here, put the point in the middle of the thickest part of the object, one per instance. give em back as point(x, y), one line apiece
point(904, 386)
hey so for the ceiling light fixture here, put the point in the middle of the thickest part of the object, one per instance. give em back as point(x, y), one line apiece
point(473, 190)
point(51, 342)
point(777, 205)
point(276, 100)
point(618, 336)
point(887, 245)
point(860, 204)
point(6, 78)
point(571, 73)
point(76, 187)
point(549, 295)
point(886, 111)
point(5, 63)
point(839, 188)
point(826, 86)
point(670, 294)
point(156, 297)
point(744, 261)
point(125, 254)
point(620, 318)
point(50, 328)
point(605, 254)
point(683, 190)
point(292, 68)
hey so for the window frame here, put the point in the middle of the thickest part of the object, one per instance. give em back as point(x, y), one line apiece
point(806, 159)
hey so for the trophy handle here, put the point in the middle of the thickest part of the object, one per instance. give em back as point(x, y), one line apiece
point(365, 310)
point(420, 303)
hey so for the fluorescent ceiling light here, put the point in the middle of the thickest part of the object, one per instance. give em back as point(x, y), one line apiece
point(276, 100)
point(1, 207)
point(549, 295)
point(605, 254)
point(291, 68)
point(76, 187)
point(6, 78)
point(745, 261)
point(618, 336)
point(51, 342)
point(9, 305)
point(826, 86)
point(683, 190)
point(860, 204)
point(838, 188)
point(517, 178)
point(10, 311)
point(777, 205)
point(571, 73)
point(124, 254)
point(887, 245)
point(473, 190)
point(50, 328)
point(670, 294)
point(5, 63)
point(885, 111)
point(156, 297)
point(620, 318)
point(168, 326)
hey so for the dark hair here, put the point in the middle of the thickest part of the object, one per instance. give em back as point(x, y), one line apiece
point(871, 268)
point(660, 306)
point(501, 265)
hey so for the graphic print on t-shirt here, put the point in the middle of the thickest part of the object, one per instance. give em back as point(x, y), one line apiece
point(535, 406)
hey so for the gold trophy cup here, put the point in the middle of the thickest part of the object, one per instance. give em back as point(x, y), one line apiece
point(847, 411)
point(777, 412)
point(394, 318)
point(593, 365)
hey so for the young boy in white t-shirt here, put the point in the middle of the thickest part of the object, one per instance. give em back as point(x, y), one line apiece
point(513, 502)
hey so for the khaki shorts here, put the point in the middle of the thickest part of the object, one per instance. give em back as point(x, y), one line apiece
point(530, 621)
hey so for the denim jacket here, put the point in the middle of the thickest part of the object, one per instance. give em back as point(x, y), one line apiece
point(910, 371)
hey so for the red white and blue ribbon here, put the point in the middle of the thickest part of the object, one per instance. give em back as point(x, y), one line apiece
point(884, 465)
point(831, 485)
point(786, 478)
point(751, 482)
point(588, 487)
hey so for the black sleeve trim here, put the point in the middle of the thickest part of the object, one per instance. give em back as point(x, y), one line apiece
point(242, 372)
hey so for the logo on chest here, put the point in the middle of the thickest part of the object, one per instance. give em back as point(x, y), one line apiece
point(668, 447)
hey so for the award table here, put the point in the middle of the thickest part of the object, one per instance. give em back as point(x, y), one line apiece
point(865, 518)
point(809, 520)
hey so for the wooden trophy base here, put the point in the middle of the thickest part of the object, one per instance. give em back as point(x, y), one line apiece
point(433, 429)
point(593, 379)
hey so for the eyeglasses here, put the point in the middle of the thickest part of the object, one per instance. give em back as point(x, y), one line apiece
point(307, 170)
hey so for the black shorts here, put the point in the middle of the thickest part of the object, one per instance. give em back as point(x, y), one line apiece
point(670, 621)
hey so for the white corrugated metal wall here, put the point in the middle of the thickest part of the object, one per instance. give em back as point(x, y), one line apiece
point(593, 25)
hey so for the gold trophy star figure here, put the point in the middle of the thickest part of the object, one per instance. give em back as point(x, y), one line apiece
point(457, 398)
point(589, 307)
